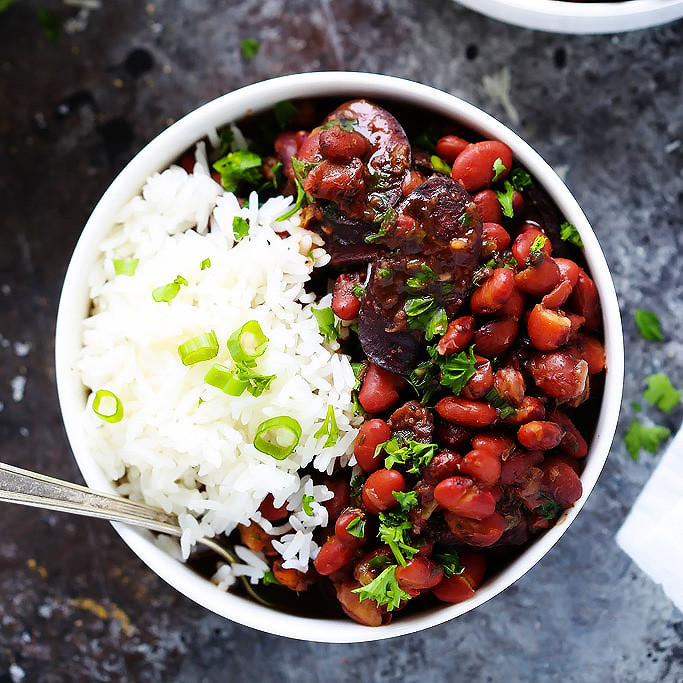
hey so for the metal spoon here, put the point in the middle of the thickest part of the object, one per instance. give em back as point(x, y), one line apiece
point(38, 490)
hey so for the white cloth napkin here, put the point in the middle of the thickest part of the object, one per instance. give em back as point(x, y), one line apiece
point(652, 534)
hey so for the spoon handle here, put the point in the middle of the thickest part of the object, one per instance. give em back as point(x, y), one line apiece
point(37, 490)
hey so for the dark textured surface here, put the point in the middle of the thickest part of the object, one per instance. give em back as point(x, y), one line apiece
point(75, 604)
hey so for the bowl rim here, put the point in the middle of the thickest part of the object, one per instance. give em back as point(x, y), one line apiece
point(559, 16)
point(158, 154)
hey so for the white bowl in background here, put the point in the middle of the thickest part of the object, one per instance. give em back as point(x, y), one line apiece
point(559, 16)
point(168, 146)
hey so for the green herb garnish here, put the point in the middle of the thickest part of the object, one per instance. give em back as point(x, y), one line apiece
point(249, 47)
point(648, 325)
point(499, 169)
point(239, 166)
point(569, 233)
point(661, 393)
point(415, 456)
point(456, 369)
point(549, 508)
point(447, 557)
point(356, 527)
point(125, 267)
point(283, 110)
point(505, 198)
point(240, 228)
point(206, 263)
point(439, 165)
point(406, 499)
point(393, 529)
point(384, 590)
point(168, 292)
point(537, 245)
point(329, 428)
point(644, 436)
point(269, 579)
point(326, 323)
point(306, 504)
point(425, 314)
point(520, 179)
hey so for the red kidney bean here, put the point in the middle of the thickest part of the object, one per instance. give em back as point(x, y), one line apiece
point(540, 435)
point(559, 374)
point(458, 335)
point(474, 166)
point(419, 574)
point(463, 497)
point(496, 233)
point(561, 481)
point(513, 308)
point(531, 408)
point(482, 465)
point(591, 350)
point(344, 301)
point(548, 329)
point(556, 297)
point(568, 270)
point(517, 202)
point(460, 587)
point(309, 148)
point(540, 278)
point(442, 465)
point(481, 382)
point(333, 556)
point(339, 486)
point(286, 146)
point(489, 207)
point(509, 383)
point(465, 412)
point(379, 390)
point(449, 146)
point(572, 443)
point(493, 292)
point(345, 519)
point(498, 445)
point(476, 532)
point(372, 564)
point(584, 300)
point(365, 612)
point(521, 247)
point(411, 180)
point(514, 469)
point(294, 579)
point(495, 336)
point(341, 183)
point(370, 435)
point(341, 146)
point(269, 511)
point(378, 490)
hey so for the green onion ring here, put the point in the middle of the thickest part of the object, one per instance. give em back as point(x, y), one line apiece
point(247, 343)
point(282, 426)
point(202, 347)
point(102, 395)
point(224, 379)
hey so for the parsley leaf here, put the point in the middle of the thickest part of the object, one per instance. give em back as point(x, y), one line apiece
point(269, 579)
point(425, 380)
point(384, 590)
point(240, 228)
point(648, 325)
point(425, 314)
point(456, 369)
point(644, 436)
point(255, 384)
point(403, 451)
point(283, 111)
point(537, 245)
point(406, 499)
point(356, 527)
point(393, 528)
point(498, 169)
point(520, 179)
point(419, 280)
point(326, 323)
point(569, 233)
point(505, 199)
point(239, 166)
point(660, 392)
point(549, 508)
point(345, 124)
point(249, 47)
point(329, 427)
point(447, 557)
point(306, 505)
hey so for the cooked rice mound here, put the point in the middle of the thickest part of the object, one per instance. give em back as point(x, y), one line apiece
point(182, 444)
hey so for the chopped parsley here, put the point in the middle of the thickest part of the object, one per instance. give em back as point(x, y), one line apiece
point(254, 383)
point(249, 47)
point(301, 170)
point(51, 24)
point(345, 124)
point(456, 369)
point(418, 281)
point(358, 291)
point(283, 110)
point(499, 403)
point(384, 590)
point(388, 217)
point(428, 138)
point(549, 508)
point(269, 579)
point(648, 325)
point(499, 169)
point(505, 199)
point(425, 314)
point(326, 323)
point(447, 557)
point(413, 454)
point(329, 428)
point(661, 393)
point(644, 436)
point(356, 527)
point(357, 485)
point(239, 166)
point(393, 529)
point(306, 504)
point(569, 233)
point(537, 245)
point(406, 499)
point(520, 179)
point(425, 380)
point(240, 228)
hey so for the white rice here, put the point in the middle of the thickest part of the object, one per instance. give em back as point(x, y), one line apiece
point(182, 444)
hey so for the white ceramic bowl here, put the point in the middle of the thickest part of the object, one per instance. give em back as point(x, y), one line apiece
point(558, 16)
point(168, 146)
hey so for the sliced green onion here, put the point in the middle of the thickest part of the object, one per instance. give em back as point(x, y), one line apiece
point(329, 428)
point(278, 436)
point(166, 293)
point(202, 347)
point(125, 267)
point(206, 263)
point(247, 343)
point(306, 504)
point(240, 228)
point(224, 379)
point(107, 406)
